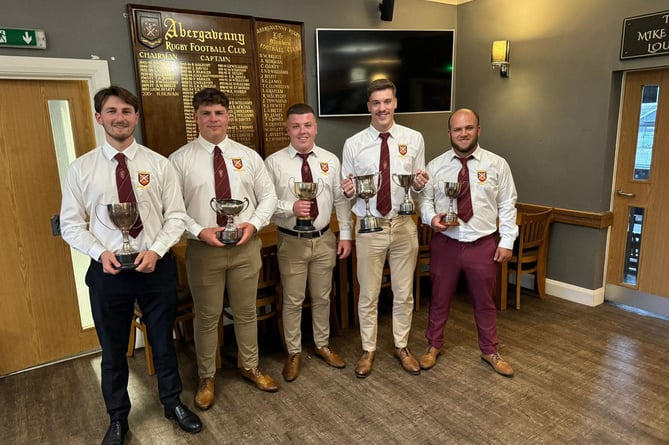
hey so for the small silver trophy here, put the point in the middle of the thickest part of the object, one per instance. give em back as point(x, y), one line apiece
point(124, 216)
point(307, 191)
point(453, 191)
point(405, 181)
point(229, 208)
point(366, 187)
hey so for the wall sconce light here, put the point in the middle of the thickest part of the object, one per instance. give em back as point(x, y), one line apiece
point(500, 57)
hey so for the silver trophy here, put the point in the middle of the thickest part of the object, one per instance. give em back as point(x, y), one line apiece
point(307, 191)
point(453, 190)
point(405, 181)
point(124, 215)
point(229, 208)
point(366, 187)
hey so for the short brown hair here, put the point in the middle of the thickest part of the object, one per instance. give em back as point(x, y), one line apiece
point(113, 90)
point(299, 109)
point(210, 96)
point(379, 85)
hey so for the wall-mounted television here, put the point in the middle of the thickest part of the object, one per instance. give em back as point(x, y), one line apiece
point(419, 62)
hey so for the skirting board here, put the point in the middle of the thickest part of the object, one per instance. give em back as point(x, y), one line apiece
point(569, 292)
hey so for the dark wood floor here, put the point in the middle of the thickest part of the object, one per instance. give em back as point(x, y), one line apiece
point(583, 375)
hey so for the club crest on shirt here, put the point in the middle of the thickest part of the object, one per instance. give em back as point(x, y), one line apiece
point(144, 178)
point(403, 149)
point(482, 175)
point(325, 167)
point(237, 163)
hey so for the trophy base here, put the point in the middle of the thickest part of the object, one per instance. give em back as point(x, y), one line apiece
point(127, 260)
point(449, 222)
point(304, 225)
point(406, 212)
point(406, 209)
point(228, 238)
point(369, 225)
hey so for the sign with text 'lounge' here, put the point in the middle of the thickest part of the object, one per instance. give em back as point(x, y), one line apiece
point(22, 38)
point(645, 36)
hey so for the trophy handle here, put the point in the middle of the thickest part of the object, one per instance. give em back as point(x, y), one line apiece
point(291, 187)
point(246, 205)
point(321, 187)
point(97, 216)
point(394, 177)
point(211, 204)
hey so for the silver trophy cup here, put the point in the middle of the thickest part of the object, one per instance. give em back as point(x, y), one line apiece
point(453, 191)
point(229, 208)
point(405, 181)
point(124, 216)
point(366, 187)
point(307, 191)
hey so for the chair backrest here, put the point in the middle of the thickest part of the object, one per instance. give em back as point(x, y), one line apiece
point(424, 236)
point(533, 229)
point(269, 273)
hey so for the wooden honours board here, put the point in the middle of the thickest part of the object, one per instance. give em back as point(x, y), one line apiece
point(257, 63)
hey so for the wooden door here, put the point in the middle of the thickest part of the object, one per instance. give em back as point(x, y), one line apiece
point(39, 320)
point(638, 262)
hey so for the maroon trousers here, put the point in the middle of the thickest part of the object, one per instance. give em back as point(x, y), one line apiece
point(448, 261)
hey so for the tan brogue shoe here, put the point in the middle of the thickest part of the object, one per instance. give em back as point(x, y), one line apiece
point(498, 364)
point(331, 358)
point(204, 397)
point(364, 366)
point(407, 360)
point(262, 381)
point(429, 359)
point(291, 369)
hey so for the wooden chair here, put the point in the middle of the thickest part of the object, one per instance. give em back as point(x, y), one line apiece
point(529, 254)
point(268, 298)
point(423, 261)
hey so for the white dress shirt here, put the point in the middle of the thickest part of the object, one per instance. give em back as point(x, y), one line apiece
point(194, 163)
point(326, 171)
point(361, 155)
point(493, 196)
point(90, 185)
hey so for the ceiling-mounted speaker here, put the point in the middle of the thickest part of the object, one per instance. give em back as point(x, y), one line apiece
point(386, 8)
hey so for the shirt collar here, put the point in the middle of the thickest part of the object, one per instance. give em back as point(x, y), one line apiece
point(375, 133)
point(210, 147)
point(476, 154)
point(294, 153)
point(130, 152)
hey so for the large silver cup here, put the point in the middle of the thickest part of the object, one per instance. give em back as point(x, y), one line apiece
point(453, 190)
point(405, 181)
point(124, 216)
point(307, 191)
point(366, 187)
point(229, 208)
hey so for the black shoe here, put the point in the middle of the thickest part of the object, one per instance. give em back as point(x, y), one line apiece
point(188, 420)
point(116, 433)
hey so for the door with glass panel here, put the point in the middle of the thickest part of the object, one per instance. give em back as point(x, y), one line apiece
point(45, 314)
point(638, 263)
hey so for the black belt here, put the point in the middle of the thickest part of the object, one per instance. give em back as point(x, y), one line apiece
point(307, 235)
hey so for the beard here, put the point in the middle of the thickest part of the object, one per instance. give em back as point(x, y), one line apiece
point(459, 148)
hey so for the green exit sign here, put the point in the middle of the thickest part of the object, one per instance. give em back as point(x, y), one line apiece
point(22, 38)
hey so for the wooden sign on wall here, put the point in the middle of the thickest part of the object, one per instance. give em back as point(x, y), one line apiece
point(257, 63)
point(646, 35)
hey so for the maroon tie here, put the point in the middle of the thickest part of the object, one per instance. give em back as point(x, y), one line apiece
point(307, 177)
point(125, 193)
point(465, 211)
point(383, 201)
point(222, 183)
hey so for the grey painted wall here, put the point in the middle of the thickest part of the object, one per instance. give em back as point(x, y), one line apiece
point(554, 119)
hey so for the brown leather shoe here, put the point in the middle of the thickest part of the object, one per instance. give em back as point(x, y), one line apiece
point(429, 359)
point(330, 357)
point(364, 366)
point(409, 363)
point(291, 369)
point(498, 364)
point(204, 397)
point(263, 382)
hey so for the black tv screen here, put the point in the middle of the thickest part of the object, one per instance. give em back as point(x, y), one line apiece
point(419, 62)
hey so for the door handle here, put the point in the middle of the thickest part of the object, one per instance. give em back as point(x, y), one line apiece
point(620, 192)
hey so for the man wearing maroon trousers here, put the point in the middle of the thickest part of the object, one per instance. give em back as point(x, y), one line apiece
point(467, 243)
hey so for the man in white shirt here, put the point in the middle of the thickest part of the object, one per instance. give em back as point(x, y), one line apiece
point(213, 267)
point(308, 256)
point(397, 241)
point(468, 246)
point(92, 182)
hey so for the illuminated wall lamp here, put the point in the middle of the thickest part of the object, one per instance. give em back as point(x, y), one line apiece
point(500, 57)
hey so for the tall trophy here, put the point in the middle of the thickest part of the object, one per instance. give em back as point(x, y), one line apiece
point(124, 215)
point(453, 191)
point(307, 191)
point(366, 187)
point(229, 208)
point(405, 181)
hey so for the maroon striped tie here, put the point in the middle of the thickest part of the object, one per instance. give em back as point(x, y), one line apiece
point(125, 193)
point(465, 211)
point(383, 199)
point(221, 182)
point(307, 177)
